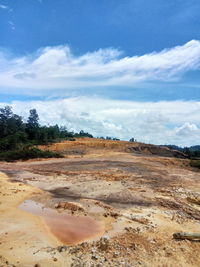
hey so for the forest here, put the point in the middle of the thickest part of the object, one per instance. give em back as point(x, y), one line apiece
point(19, 138)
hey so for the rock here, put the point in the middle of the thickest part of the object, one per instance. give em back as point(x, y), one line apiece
point(104, 243)
point(140, 220)
point(116, 254)
point(95, 257)
point(114, 214)
point(74, 250)
point(69, 206)
point(194, 198)
point(84, 244)
point(61, 248)
point(189, 236)
point(93, 250)
point(56, 206)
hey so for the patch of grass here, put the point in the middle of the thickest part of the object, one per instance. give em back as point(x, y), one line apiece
point(70, 139)
point(28, 153)
point(195, 163)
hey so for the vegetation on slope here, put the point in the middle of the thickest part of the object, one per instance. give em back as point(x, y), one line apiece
point(192, 152)
point(18, 138)
point(28, 153)
point(195, 163)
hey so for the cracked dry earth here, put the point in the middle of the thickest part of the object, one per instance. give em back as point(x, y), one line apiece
point(103, 209)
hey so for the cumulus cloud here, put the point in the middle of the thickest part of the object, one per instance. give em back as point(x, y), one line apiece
point(166, 122)
point(58, 68)
point(187, 129)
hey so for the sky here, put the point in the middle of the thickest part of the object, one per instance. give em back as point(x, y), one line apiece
point(120, 68)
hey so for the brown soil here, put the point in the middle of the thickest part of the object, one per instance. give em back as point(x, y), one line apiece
point(141, 199)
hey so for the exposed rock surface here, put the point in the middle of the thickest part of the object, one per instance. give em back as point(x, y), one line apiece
point(155, 150)
point(141, 199)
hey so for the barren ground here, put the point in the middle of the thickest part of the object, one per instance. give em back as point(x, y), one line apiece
point(139, 199)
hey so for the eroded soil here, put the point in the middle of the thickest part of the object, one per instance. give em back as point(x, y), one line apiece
point(140, 200)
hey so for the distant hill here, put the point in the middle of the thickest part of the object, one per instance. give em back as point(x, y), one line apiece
point(173, 147)
point(195, 148)
point(192, 151)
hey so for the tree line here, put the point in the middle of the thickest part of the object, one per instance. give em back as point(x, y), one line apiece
point(19, 135)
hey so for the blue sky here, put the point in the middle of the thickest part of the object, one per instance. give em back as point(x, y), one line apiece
point(132, 56)
point(135, 26)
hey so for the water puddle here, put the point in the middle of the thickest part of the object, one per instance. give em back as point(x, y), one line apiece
point(69, 229)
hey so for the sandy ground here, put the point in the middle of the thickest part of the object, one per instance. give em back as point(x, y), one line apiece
point(140, 199)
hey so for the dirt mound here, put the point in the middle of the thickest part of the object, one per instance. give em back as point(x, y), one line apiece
point(155, 150)
point(84, 146)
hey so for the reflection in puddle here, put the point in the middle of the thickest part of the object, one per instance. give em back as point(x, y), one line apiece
point(68, 229)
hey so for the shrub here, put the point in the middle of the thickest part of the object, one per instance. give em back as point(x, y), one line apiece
point(28, 153)
point(70, 139)
point(195, 163)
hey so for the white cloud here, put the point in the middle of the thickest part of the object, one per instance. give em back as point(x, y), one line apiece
point(166, 122)
point(187, 129)
point(3, 6)
point(11, 24)
point(53, 68)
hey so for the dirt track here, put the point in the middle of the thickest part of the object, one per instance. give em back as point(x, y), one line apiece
point(141, 200)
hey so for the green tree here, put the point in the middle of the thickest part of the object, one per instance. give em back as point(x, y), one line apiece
point(10, 123)
point(5, 114)
point(33, 119)
point(32, 126)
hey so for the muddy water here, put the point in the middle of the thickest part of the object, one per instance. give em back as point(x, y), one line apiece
point(69, 229)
